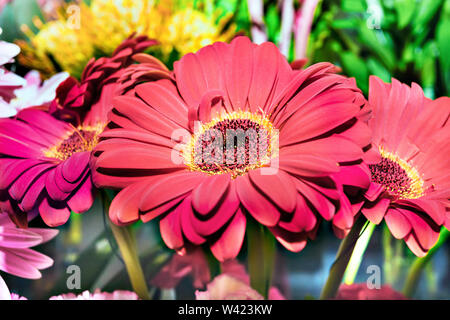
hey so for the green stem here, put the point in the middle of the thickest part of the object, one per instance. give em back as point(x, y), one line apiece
point(358, 253)
point(343, 255)
point(127, 245)
point(261, 254)
point(414, 273)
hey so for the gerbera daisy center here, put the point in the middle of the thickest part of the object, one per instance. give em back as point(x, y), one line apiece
point(79, 140)
point(401, 180)
point(231, 143)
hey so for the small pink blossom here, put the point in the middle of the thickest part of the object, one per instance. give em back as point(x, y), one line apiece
point(98, 295)
point(234, 284)
point(16, 257)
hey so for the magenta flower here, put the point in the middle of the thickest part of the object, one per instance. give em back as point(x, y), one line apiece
point(44, 158)
point(193, 263)
point(45, 166)
point(16, 255)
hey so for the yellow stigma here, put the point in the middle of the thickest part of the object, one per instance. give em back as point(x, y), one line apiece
point(80, 139)
point(400, 179)
point(258, 147)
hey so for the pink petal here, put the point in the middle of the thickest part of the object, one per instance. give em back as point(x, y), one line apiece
point(258, 206)
point(222, 215)
point(186, 213)
point(230, 242)
point(170, 227)
point(208, 194)
point(325, 208)
point(308, 165)
point(239, 75)
point(303, 218)
point(53, 217)
point(169, 187)
point(375, 214)
point(11, 237)
point(83, 199)
point(397, 223)
point(278, 187)
point(124, 208)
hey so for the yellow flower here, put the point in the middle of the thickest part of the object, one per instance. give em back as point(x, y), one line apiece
point(96, 30)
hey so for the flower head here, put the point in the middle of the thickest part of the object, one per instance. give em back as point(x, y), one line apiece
point(16, 256)
point(98, 28)
point(237, 134)
point(180, 266)
point(409, 188)
point(234, 284)
point(9, 81)
point(98, 295)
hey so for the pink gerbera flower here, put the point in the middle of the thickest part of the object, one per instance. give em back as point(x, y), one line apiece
point(44, 158)
point(234, 284)
point(411, 184)
point(98, 295)
point(194, 264)
point(302, 124)
point(16, 257)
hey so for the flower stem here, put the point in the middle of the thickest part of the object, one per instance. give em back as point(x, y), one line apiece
point(261, 257)
point(126, 241)
point(127, 245)
point(358, 253)
point(343, 255)
point(414, 273)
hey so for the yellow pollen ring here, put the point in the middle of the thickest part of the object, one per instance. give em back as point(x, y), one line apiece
point(188, 151)
point(416, 187)
point(64, 149)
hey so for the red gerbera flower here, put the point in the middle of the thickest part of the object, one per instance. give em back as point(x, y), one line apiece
point(411, 184)
point(44, 159)
point(168, 148)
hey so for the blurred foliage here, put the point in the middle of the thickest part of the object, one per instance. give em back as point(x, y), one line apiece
point(405, 39)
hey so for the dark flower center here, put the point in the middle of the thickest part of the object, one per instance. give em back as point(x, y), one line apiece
point(233, 143)
point(80, 140)
point(401, 180)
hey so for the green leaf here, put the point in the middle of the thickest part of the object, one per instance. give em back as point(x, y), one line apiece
point(354, 5)
point(426, 11)
point(443, 45)
point(272, 20)
point(376, 68)
point(380, 43)
point(355, 67)
point(347, 23)
point(405, 10)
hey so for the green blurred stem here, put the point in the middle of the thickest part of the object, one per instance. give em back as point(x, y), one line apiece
point(127, 245)
point(343, 255)
point(75, 229)
point(414, 273)
point(358, 253)
point(261, 257)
